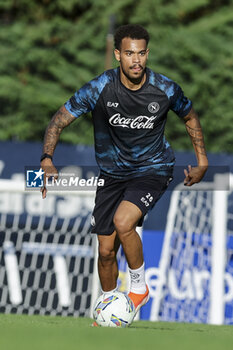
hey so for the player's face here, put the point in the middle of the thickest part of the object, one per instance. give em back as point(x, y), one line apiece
point(132, 56)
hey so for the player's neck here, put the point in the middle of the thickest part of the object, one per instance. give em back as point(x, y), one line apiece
point(132, 84)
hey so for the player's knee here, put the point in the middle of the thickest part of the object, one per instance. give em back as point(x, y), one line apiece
point(106, 253)
point(122, 224)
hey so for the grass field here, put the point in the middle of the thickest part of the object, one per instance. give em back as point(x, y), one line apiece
point(66, 333)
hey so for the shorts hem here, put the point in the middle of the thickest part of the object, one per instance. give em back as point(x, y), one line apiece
point(103, 233)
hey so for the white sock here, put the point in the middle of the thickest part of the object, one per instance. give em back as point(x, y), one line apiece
point(109, 292)
point(137, 280)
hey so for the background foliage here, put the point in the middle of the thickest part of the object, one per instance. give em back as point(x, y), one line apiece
point(50, 48)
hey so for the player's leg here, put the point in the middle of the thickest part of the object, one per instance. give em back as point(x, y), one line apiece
point(107, 261)
point(140, 196)
point(107, 200)
point(125, 220)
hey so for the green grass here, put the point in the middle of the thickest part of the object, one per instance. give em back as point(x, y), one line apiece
point(66, 333)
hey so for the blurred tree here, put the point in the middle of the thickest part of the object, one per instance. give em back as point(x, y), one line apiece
point(50, 48)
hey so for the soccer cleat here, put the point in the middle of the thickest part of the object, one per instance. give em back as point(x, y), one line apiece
point(94, 324)
point(139, 299)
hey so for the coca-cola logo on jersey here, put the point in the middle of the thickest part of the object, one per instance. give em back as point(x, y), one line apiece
point(140, 122)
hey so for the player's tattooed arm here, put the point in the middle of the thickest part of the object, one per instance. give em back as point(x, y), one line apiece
point(193, 127)
point(194, 130)
point(60, 120)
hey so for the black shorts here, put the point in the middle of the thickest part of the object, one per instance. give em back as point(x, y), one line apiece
point(144, 192)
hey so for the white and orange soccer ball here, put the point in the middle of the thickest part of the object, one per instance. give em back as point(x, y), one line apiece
point(116, 310)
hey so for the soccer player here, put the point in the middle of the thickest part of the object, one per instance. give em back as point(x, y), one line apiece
point(129, 107)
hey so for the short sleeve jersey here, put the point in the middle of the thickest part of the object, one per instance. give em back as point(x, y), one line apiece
point(129, 124)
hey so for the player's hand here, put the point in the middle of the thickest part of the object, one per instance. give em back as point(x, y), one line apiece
point(49, 171)
point(194, 174)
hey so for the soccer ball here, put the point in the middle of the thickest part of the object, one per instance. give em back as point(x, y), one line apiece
point(116, 310)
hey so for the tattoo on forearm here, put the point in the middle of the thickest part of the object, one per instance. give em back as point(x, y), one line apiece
point(197, 139)
point(60, 120)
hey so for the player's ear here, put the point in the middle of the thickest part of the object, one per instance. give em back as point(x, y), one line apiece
point(117, 55)
point(147, 52)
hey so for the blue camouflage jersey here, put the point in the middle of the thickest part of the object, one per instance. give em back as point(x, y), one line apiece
point(129, 124)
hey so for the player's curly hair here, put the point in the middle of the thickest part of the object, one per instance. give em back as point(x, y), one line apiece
point(133, 31)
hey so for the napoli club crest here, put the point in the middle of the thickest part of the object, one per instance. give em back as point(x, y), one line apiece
point(153, 107)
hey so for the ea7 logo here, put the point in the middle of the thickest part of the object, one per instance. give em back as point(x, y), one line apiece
point(112, 104)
